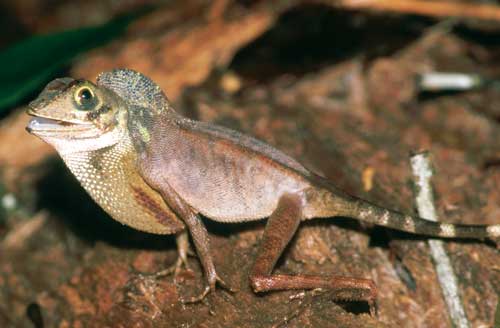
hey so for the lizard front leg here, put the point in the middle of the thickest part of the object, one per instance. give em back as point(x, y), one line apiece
point(200, 238)
point(280, 228)
point(182, 242)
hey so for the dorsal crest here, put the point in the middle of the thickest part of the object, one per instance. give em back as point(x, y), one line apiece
point(135, 89)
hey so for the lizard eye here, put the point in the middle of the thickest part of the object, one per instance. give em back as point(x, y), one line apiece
point(85, 98)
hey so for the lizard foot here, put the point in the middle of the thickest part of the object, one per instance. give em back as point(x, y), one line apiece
point(175, 268)
point(209, 288)
point(307, 298)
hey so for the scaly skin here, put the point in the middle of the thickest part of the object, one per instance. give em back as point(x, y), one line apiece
point(157, 171)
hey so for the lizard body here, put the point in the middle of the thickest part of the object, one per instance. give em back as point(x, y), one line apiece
point(156, 171)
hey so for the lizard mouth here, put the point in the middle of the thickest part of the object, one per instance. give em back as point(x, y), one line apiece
point(43, 125)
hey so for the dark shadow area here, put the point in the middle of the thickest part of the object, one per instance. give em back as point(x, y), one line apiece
point(309, 37)
point(491, 163)
point(484, 37)
point(341, 222)
point(61, 194)
point(354, 307)
point(380, 237)
point(34, 314)
point(10, 23)
point(380, 240)
point(429, 96)
point(229, 229)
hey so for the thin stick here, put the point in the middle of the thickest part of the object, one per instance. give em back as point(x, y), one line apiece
point(439, 81)
point(22, 232)
point(425, 8)
point(422, 173)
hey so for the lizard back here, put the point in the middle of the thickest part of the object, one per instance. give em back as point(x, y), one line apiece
point(217, 175)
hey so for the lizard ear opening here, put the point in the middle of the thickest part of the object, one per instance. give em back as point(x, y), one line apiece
point(135, 89)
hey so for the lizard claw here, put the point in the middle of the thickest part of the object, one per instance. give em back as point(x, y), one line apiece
point(209, 288)
point(198, 298)
point(225, 286)
point(182, 261)
point(175, 268)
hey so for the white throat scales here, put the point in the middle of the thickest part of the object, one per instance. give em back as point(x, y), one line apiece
point(105, 175)
point(100, 173)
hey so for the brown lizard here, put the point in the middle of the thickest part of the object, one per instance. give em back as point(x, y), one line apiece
point(157, 171)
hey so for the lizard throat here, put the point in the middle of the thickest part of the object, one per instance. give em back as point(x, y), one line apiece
point(110, 177)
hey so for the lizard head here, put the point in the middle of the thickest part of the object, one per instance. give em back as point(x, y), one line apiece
point(77, 115)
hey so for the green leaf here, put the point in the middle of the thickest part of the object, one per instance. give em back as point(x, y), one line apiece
point(28, 65)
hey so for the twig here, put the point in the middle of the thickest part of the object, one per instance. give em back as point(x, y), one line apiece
point(18, 236)
point(425, 8)
point(422, 173)
point(439, 81)
point(443, 81)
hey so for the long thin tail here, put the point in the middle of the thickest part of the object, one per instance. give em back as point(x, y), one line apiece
point(368, 212)
point(331, 201)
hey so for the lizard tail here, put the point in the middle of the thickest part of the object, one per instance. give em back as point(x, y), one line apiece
point(368, 212)
point(328, 201)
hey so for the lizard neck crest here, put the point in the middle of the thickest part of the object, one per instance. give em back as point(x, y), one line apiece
point(135, 89)
point(145, 103)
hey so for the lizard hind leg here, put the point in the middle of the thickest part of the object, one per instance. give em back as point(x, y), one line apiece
point(280, 228)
